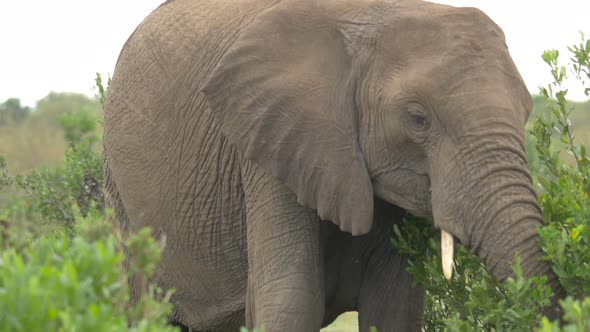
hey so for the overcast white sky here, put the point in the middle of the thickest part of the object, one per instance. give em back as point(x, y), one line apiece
point(59, 45)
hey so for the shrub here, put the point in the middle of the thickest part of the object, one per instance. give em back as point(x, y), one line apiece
point(55, 191)
point(69, 275)
point(61, 283)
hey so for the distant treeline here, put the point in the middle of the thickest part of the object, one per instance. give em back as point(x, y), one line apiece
point(33, 137)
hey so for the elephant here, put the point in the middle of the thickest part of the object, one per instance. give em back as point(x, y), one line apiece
point(275, 143)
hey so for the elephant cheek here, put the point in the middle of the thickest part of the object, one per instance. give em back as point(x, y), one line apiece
point(409, 191)
point(446, 213)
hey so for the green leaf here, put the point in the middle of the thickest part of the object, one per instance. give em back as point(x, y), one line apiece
point(550, 56)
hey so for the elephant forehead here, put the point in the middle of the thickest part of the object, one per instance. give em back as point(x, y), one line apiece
point(435, 31)
point(450, 56)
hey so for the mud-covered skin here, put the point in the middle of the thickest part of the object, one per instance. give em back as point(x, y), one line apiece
point(233, 128)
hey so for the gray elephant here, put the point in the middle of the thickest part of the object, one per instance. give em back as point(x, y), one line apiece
point(275, 143)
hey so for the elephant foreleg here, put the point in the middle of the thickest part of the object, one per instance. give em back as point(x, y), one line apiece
point(285, 278)
point(387, 299)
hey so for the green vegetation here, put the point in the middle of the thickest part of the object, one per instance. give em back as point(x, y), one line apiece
point(61, 283)
point(12, 112)
point(38, 138)
point(61, 266)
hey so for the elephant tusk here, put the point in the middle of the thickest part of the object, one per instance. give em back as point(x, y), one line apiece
point(447, 246)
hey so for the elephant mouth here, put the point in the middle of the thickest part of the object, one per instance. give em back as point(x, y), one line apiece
point(419, 204)
point(409, 190)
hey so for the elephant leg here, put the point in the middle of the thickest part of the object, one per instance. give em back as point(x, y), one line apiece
point(387, 299)
point(285, 277)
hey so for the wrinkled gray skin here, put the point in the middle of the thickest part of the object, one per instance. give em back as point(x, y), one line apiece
point(259, 136)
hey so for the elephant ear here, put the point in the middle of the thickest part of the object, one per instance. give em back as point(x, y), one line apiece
point(284, 93)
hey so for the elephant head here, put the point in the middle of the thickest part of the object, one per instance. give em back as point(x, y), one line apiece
point(416, 103)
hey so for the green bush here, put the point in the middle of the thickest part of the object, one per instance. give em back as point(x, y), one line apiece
point(78, 126)
point(55, 191)
point(68, 274)
point(472, 300)
point(62, 283)
point(565, 189)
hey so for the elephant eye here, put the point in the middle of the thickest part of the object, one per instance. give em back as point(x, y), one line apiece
point(418, 120)
point(417, 116)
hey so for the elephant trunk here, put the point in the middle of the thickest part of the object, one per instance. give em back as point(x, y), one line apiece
point(490, 205)
point(502, 223)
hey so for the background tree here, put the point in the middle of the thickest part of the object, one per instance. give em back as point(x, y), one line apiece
point(12, 112)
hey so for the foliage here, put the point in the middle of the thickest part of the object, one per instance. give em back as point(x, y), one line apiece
point(102, 89)
point(581, 62)
point(78, 126)
point(51, 106)
point(56, 191)
point(59, 283)
point(12, 112)
point(39, 139)
point(577, 316)
point(473, 300)
point(70, 274)
point(565, 189)
point(5, 180)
